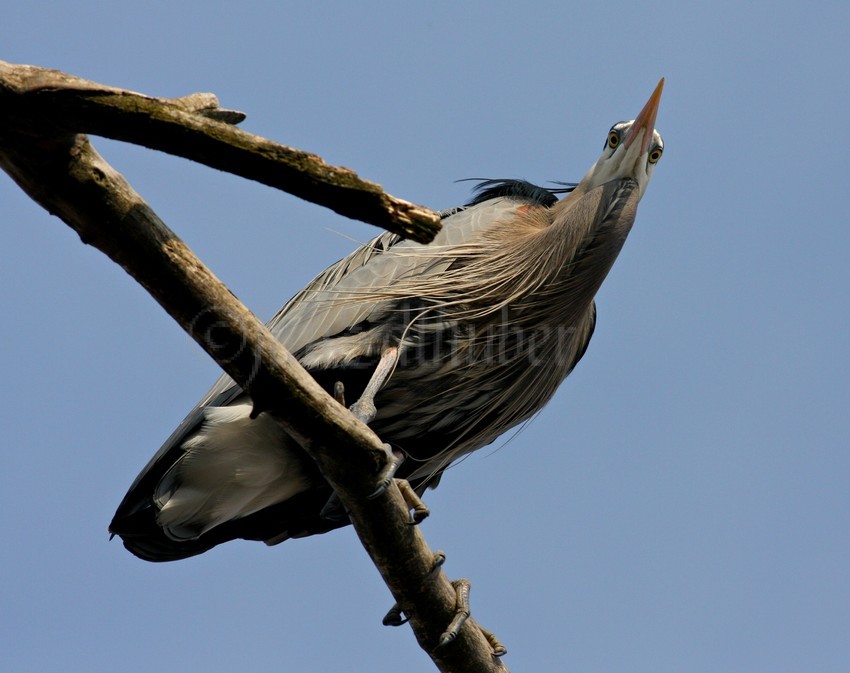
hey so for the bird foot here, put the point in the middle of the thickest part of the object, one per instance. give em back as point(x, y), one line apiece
point(334, 510)
point(418, 510)
point(364, 410)
point(462, 613)
point(385, 478)
point(499, 650)
point(393, 617)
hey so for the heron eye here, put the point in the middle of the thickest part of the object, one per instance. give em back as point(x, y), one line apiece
point(613, 139)
point(655, 155)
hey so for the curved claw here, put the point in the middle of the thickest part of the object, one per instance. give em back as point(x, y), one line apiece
point(393, 617)
point(334, 510)
point(499, 650)
point(396, 458)
point(462, 612)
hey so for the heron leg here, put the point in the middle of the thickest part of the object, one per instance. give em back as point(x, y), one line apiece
point(364, 408)
point(333, 509)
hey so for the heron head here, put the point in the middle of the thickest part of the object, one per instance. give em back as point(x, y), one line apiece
point(631, 149)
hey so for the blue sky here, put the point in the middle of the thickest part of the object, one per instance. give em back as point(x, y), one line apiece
point(681, 505)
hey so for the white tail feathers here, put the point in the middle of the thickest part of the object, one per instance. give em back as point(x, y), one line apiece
point(233, 467)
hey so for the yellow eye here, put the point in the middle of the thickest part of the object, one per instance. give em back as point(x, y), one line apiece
point(613, 139)
point(655, 155)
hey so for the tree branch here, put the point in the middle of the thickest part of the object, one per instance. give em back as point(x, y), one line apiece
point(194, 128)
point(62, 172)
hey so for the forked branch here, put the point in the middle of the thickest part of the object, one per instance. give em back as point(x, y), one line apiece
point(41, 149)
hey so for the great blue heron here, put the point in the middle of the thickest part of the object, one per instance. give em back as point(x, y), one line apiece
point(445, 347)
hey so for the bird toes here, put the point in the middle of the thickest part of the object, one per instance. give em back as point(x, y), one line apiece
point(334, 510)
point(418, 510)
point(385, 478)
point(393, 617)
point(462, 613)
point(364, 410)
point(499, 650)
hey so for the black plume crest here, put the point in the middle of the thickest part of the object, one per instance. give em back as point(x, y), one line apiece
point(522, 190)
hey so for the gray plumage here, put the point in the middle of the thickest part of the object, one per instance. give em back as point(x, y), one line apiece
point(488, 320)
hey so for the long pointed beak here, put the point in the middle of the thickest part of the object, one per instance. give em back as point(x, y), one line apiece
point(645, 121)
